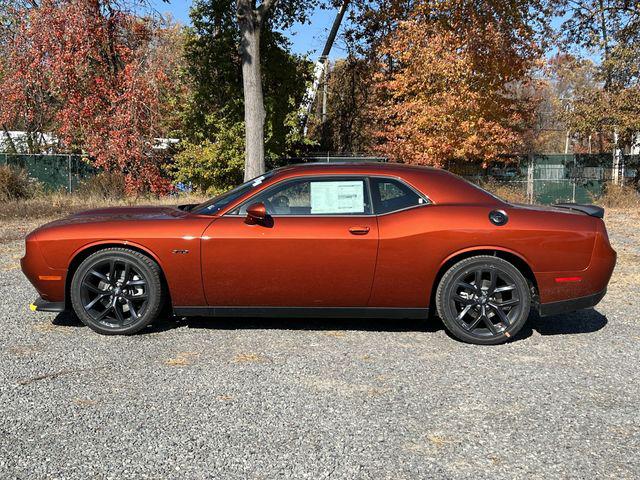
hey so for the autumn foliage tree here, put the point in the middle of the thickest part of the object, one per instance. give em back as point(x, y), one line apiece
point(86, 70)
point(610, 32)
point(455, 83)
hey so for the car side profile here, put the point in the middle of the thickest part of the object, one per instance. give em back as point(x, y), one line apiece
point(340, 240)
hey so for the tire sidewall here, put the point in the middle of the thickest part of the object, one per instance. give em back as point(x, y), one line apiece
point(447, 284)
point(150, 273)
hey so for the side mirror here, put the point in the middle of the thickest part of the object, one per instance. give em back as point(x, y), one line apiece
point(256, 213)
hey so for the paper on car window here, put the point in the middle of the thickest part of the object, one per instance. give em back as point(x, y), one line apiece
point(257, 181)
point(337, 197)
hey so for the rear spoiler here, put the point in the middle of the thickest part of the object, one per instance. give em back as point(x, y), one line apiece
point(592, 210)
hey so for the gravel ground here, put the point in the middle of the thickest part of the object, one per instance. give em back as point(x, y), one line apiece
point(323, 398)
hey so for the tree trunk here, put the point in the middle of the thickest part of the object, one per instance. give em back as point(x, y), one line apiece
point(254, 113)
point(605, 41)
point(11, 145)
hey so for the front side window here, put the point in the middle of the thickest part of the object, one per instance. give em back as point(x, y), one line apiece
point(390, 195)
point(216, 204)
point(314, 196)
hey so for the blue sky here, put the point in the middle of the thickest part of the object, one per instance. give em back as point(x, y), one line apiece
point(309, 39)
point(306, 39)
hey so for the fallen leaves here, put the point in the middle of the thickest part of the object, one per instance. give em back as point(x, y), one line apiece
point(335, 333)
point(182, 359)
point(249, 358)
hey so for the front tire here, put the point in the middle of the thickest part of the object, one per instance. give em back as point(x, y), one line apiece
point(117, 291)
point(483, 300)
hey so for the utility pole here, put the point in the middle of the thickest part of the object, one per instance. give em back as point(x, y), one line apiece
point(325, 89)
point(320, 68)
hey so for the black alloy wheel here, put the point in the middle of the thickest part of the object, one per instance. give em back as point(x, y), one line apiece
point(117, 291)
point(483, 300)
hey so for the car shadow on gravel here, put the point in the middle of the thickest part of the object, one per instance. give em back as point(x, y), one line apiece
point(67, 319)
point(165, 323)
point(581, 322)
point(319, 324)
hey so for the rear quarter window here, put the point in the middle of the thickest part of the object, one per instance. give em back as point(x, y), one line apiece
point(390, 195)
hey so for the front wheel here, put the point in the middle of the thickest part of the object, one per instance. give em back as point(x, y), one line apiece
point(117, 291)
point(483, 300)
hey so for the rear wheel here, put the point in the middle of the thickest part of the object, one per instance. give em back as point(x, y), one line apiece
point(483, 300)
point(117, 291)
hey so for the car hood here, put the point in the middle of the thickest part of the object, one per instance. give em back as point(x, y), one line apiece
point(121, 214)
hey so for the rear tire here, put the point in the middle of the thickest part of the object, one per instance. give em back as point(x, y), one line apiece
point(117, 291)
point(483, 300)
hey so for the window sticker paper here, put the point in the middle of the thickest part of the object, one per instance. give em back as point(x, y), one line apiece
point(345, 196)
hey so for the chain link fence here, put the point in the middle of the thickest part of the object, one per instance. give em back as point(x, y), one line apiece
point(547, 179)
point(55, 172)
point(542, 179)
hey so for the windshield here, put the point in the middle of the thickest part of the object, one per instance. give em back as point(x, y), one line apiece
point(214, 205)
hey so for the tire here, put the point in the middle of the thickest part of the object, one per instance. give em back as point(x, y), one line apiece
point(117, 291)
point(490, 314)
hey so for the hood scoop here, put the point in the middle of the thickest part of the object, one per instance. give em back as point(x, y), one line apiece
point(592, 210)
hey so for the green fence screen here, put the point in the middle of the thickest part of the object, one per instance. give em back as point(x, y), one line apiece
point(544, 179)
point(547, 179)
point(55, 172)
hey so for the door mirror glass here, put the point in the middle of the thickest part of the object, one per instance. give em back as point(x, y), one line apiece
point(256, 213)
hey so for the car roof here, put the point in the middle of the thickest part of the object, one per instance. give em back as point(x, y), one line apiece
point(360, 167)
point(437, 184)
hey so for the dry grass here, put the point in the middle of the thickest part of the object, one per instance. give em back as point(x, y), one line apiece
point(107, 185)
point(619, 197)
point(14, 183)
point(19, 217)
point(55, 205)
point(507, 191)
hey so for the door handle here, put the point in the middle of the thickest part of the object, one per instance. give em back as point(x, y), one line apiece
point(359, 230)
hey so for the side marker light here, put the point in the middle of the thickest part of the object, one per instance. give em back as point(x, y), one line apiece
point(568, 279)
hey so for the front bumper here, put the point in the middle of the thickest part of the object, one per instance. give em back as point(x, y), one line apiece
point(571, 305)
point(49, 282)
point(42, 305)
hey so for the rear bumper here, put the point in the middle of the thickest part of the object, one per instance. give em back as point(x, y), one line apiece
point(577, 286)
point(42, 305)
point(571, 305)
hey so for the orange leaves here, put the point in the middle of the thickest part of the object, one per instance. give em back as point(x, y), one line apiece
point(83, 70)
point(449, 93)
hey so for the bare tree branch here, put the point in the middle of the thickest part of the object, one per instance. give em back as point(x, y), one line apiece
point(264, 9)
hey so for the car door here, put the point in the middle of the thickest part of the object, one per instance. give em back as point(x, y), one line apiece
point(318, 248)
point(403, 261)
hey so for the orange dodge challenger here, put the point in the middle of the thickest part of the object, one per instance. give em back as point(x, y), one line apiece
point(339, 240)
